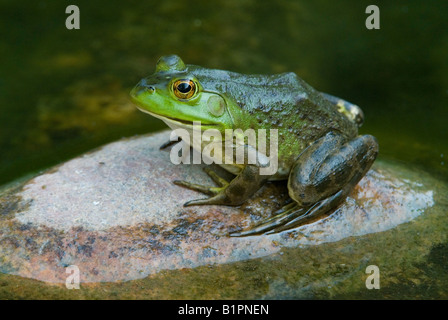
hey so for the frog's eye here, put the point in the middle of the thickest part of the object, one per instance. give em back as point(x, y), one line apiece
point(184, 88)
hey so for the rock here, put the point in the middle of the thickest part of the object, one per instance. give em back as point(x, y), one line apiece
point(116, 215)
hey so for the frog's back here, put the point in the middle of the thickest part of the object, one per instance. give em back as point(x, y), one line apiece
point(251, 92)
point(281, 101)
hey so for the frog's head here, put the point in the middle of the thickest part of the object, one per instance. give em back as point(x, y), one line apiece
point(175, 95)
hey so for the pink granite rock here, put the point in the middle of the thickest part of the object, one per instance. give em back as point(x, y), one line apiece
point(116, 215)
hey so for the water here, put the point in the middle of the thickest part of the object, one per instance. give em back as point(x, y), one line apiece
point(64, 92)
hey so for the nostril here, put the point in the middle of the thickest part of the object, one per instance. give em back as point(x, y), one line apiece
point(144, 83)
point(149, 89)
point(143, 87)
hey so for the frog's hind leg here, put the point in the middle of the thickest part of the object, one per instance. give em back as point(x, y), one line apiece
point(282, 216)
point(292, 215)
point(311, 214)
point(322, 177)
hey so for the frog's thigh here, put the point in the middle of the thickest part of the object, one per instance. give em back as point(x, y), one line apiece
point(329, 165)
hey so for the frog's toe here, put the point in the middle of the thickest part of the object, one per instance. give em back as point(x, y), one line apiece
point(169, 144)
point(194, 202)
point(312, 213)
point(293, 216)
point(219, 199)
point(281, 217)
point(217, 179)
point(197, 187)
point(211, 191)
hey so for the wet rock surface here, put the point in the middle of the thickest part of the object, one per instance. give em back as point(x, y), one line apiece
point(115, 214)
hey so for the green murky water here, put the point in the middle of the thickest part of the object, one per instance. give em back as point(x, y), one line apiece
point(64, 92)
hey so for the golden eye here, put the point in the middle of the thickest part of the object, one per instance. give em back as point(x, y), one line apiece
point(184, 89)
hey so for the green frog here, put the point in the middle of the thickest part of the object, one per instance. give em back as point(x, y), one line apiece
point(319, 150)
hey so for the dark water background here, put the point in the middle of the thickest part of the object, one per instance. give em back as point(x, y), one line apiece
point(64, 92)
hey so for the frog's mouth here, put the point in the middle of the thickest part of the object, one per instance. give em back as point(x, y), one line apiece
point(180, 122)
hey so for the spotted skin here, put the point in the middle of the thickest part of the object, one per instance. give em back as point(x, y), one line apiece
point(319, 150)
point(322, 177)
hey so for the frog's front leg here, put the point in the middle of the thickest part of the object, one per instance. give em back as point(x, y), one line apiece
point(170, 143)
point(321, 178)
point(232, 193)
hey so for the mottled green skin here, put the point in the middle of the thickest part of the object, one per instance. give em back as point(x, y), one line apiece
point(284, 102)
point(319, 150)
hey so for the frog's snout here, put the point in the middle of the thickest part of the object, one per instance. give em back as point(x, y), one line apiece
point(142, 87)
